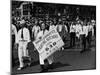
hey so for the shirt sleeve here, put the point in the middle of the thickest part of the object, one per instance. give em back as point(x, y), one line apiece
point(39, 36)
point(66, 28)
point(33, 29)
point(28, 35)
point(70, 28)
point(92, 31)
point(15, 32)
point(17, 37)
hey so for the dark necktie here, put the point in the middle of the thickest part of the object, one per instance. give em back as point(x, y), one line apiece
point(22, 34)
point(82, 28)
point(43, 32)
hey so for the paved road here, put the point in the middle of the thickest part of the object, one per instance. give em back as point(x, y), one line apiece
point(65, 60)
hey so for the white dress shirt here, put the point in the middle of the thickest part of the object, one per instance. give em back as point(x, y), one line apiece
point(90, 28)
point(78, 30)
point(84, 30)
point(26, 35)
point(59, 27)
point(35, 30)
point(72, 28)
point(41, 33)
point(52, 27)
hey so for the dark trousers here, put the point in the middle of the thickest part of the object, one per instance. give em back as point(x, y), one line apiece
point(95, 31)
point(89, 38)
point(72, 39)
point(77, 41)
point(12, 52)
point(83, 41)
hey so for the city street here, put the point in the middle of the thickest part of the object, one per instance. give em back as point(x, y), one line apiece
point(66, 60)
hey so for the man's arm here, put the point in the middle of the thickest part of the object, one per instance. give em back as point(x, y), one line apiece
point(92, 31)
point(66, 28)
point(15, 31)
point(16, 41)
point(28, 36)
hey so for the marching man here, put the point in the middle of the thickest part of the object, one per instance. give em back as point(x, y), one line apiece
point(35, 30)
point(62, 30)
point(44, 68)
point(90, 33)
point(23, 37)
point(72, 34)
point(93, 23)
point(52, 26)
point(78, 29)
point(84, 34)
point(14, 38)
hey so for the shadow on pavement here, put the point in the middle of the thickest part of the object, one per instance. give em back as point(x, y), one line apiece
point(59, 64)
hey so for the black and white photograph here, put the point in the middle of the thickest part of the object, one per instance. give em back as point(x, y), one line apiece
point(52, 37)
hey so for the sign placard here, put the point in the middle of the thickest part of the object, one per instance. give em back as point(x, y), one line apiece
point(49, 44)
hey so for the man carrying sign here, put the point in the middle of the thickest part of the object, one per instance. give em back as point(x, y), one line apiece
point(47, 43)
point(42, 32)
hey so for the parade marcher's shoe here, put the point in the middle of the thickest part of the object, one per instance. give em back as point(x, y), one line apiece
point(71, 46)
point(50, 66)
point(29, 64)
point(83, 51)
point(20, 68)
point(43, 69)
point(62, 48)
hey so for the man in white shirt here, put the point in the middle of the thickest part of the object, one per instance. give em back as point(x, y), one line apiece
point(90, 33)
point(52, 26)
point(42, 32)
point(78, 29)
point(14, 38)
point(35, 30)
point(23, 37)
point(72, 34)
point(84, 34)
point(62, 30)
point(93, 23)
point(13, 30)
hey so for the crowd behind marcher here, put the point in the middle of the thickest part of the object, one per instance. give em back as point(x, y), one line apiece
point(80, 31)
